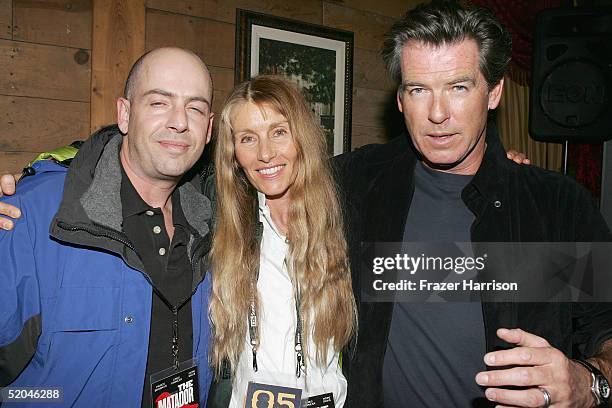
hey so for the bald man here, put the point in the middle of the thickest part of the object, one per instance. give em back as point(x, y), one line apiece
point(104, 292)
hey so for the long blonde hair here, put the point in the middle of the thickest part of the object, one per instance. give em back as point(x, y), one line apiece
point(317, 255)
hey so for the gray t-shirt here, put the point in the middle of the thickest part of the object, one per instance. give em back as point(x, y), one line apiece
point(434, 350)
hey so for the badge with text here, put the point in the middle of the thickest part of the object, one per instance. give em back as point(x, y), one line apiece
point(320, 401)
point(272, 396)
point(178, 390)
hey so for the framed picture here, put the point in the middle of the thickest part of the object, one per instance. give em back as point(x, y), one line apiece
point(319, 59)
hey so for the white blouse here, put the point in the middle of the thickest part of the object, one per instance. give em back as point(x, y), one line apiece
point(276, 358)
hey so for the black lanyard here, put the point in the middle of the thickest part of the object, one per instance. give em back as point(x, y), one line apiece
point(254, 338)
point(175, 332)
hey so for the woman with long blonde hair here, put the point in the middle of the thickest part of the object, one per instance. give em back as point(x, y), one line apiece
point(282, 305)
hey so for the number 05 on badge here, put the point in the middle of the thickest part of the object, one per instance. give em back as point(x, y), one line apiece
point(272, 396)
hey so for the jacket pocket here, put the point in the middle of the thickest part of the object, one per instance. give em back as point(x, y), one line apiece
point(86, 309)
point(82, 344)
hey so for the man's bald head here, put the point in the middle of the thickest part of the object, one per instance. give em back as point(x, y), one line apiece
point(164, 52)
point(166, 115)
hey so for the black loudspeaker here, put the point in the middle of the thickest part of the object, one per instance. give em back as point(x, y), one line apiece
point(571, 90)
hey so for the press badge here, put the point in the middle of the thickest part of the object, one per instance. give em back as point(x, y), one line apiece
point(176, 388)
point(320, 401)
point(272, 396)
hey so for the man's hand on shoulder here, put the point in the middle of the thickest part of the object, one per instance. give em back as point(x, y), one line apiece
point(537, 367)
point(7, 187)
point(517, 157)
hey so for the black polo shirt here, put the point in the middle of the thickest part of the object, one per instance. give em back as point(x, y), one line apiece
point(168, 266)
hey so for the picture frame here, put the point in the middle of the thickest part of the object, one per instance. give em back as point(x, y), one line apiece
point(319, 59)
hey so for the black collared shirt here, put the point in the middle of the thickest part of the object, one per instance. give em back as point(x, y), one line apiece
point(168, 266)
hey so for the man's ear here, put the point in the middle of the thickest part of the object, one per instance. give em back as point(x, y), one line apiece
point(495, 94)
point(398, 96)
point(123, 114)
point(210, 127)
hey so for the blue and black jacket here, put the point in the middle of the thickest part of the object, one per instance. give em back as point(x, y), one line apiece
point(75, 302)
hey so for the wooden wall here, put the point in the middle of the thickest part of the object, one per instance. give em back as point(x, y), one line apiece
point(64, 61)
point(45, 55)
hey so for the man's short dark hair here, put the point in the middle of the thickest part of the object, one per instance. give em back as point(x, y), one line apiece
point(447, 22)
point(132, 78)
point(134, 74)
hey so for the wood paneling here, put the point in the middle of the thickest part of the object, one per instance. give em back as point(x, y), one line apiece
point(218, 99)
point(369, 71)
point(56, 123)
point(369, 28)
point(187, 7)
point(58, 22)
point(14, 162)
point(223, 78)
point(225, 10)
point(6, 19)
point(390, 8)
point(363, 135)
point(44, 71)
point(213, 41)
point(118, 41)
point(48, 75)
point(372, 107)
point(309, 11)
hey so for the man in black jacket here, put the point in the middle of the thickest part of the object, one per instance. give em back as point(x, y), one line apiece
point(451, 182)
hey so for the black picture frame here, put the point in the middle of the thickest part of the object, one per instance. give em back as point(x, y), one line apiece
point(319, 59)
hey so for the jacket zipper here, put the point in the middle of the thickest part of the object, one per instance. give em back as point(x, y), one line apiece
point(101, 231)
point(193, 268)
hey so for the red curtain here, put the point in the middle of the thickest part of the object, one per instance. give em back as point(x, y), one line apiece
point(519, 16)
point(585, 163)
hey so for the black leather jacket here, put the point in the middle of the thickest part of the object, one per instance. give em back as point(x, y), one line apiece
point(511, 203)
